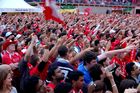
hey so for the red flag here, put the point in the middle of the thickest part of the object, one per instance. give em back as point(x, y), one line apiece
point(51, 12)
point(87, 11)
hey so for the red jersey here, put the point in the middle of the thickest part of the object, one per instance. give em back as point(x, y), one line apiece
point(51, 85)
point(122, 64)
point(9, 58)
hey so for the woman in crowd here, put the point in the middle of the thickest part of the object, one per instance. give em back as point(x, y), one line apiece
point(6, 79)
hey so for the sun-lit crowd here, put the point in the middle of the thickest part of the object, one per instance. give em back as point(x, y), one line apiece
point(95, 53)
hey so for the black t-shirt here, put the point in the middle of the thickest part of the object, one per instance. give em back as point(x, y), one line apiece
point(65, 67)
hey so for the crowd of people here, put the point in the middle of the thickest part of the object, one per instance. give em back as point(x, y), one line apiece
point(95, 53)
point(100, 2)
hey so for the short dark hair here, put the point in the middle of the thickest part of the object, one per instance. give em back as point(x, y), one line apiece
point(62, 51)
point(114, 70)
point(96, 42)
point(101, 35)
point(28, 26)
point(127, 83)
point(63, 88)
point(62, 34)
point(101, 62)
point(33, 60)
point(51, 46)
point(30, 84)
point(129, 68)
point(95, 72)
point(126, 33)
point(89, 56)
point(51, 71)
point(113, 39)
point(74, 75)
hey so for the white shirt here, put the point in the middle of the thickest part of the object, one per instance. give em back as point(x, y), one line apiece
point(14, 90)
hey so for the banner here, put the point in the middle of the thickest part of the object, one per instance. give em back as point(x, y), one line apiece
point(69, 6)
point(68, 11)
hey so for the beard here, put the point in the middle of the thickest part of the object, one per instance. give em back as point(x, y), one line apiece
point(59, 79)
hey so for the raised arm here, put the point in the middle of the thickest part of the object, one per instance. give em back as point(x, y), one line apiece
point(108, 46)
point(126, 39)
point(46, 55)
point(113, 52)
point(23, 64)
point(79, 55)
point(54, 50)
point(71, 43)
point(113, 84)
point(29, 50)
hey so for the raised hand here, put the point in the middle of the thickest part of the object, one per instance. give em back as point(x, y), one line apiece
point(34, 38)
point(109, 75)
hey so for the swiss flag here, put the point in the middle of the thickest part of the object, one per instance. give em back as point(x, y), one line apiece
point(51, 12)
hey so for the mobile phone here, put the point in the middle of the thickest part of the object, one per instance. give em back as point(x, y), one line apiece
point(77, 49)
point(110, 67)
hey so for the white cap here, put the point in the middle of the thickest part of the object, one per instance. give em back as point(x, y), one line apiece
point(112, 31)
point(18, 36)
point(8, 34)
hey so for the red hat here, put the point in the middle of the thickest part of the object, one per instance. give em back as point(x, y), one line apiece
point(7, 43)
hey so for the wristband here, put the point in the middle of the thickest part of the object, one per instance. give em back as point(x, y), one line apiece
point(114, 85)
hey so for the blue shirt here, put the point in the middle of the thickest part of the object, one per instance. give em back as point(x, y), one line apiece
point(87, 77)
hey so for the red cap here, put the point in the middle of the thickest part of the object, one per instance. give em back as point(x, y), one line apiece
point(7, 43)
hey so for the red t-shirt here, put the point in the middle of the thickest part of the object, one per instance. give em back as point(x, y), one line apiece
point(122, 64)
point(114, 44)
point(87, 30)
point(9, 58)
point(51, 85)
point(42, 74)
point(133, 55)
point(124, 44)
